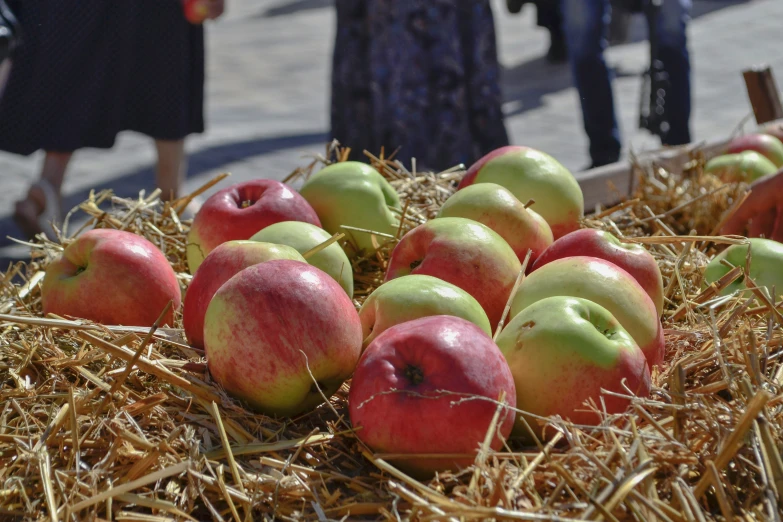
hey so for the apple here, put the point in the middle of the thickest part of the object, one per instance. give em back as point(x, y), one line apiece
point(765, 144)
point(604, 283)
point(464, 253)
point(267, 324)
point(497, 208)
point(196, 11)
point(218, 267)
point(303, 237)
point(405, 394)
point(413, 296)
point(531, 174)
point(354, 194)
point(241, 210)
point(562, 351)
point(744, 166)
point(632, 258)
point(766, 265)
point(774, 129)
point(111, 277)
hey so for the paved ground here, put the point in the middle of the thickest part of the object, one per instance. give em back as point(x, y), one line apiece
point(268, 93)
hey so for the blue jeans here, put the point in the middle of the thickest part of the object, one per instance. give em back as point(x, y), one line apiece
point(586, 23)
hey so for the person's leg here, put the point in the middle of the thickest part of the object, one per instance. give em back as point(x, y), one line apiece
point(550, 17)
point(673, 52)
point(42, 204)
point(170, 171)
point(585, 24)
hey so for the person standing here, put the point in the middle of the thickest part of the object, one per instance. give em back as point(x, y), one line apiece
point(419, 75)
point(89, 69)
point(586, 24)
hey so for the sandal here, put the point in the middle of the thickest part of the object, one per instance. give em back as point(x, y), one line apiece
point(38, 213)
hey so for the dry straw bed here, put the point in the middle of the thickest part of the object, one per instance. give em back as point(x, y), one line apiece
point(101, 422)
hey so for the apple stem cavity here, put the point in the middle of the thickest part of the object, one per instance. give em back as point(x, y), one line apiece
point(415, 264)
point(414, 374)
point(246, 203)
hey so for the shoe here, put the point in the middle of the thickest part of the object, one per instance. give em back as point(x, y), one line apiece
point(514, 6)
point(40, 211)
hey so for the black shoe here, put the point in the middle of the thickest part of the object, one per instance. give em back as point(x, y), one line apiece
point(514, 6)
point(558, 52)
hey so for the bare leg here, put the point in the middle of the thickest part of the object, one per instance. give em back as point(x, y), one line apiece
point(40, 199)
point(170, 172)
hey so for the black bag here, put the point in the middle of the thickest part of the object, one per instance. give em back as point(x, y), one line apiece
point(10, 32)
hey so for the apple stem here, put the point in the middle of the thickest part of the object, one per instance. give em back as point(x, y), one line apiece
point(529, 203)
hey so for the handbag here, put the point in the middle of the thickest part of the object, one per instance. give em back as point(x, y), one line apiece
point(10, 31)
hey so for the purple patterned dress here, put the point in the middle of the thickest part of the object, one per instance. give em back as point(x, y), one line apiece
point(421, 75)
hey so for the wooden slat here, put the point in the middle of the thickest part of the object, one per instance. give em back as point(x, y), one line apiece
point(763, 93)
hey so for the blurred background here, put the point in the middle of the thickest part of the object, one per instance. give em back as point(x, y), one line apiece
point(268, 91)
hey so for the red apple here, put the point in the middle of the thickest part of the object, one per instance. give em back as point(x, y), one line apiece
point(497, 208)
point(218, 267)
point(464, 253)
point(603, 283)
point(268, 323)
point(532, 174)
point(632, 258)
point(196, 11)
point(111, 277)
point(241, 210)
point(406, 389)
point(765, 144)
point(563, 351)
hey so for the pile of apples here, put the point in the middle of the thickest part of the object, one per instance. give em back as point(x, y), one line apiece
point(748, 158)
point(450, 348)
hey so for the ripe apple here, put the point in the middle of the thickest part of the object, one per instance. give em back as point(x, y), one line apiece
point(632, 258)
point(562, 351)
point(303, 237)
point(241, 210)
point(497, 208)
point(113, 278)
point(354, 194)
point(765, 144)
point(196, 11)
point(262, 319)
point(532, 174)
point(405, 393)
point(744, 166)
point(604, 283)
point(219, 266)
point(413, 296)
point(766, 265)
point(464, 253)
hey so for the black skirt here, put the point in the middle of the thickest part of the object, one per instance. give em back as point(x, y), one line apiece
point(89, 69)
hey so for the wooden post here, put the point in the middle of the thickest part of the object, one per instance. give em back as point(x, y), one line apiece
point(763, 93)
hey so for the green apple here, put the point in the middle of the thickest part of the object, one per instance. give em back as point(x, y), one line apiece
point(413, 296)
point(531, 174)
point(303, 237)
point(744, 166)
point(354, 194)
point(766, 265)
point(604, 283)
point(562, 351)
point(496, 207)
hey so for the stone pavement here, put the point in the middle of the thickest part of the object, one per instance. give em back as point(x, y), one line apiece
point(268, 95)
